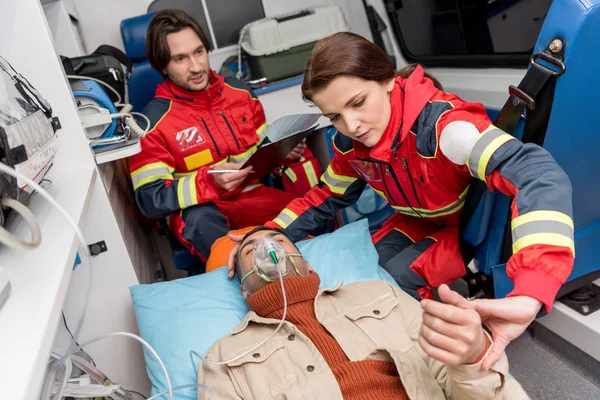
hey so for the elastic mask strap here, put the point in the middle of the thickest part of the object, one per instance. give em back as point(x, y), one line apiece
point(247, 274)
point(257, 271)
point(291, 258)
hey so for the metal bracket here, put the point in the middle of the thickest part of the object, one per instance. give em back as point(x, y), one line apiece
point(479, 285)
point(584, 300)
point(97, 248)
point(554, 54)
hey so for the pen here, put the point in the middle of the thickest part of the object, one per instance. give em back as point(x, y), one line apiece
point(224, 171)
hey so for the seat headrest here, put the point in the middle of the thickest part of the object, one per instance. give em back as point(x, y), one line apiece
point(133, 32)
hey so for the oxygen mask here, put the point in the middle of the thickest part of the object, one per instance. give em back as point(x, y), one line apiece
point(269, 259)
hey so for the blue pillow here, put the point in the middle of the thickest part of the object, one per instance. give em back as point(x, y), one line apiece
point(192, 313)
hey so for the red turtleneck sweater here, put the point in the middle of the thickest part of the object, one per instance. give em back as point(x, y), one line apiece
point(367, 379)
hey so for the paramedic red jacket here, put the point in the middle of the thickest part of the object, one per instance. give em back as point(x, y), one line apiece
point(409, 170)
point(192, 131)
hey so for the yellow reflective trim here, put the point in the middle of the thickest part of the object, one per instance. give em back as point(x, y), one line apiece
point(285, 218)
point(486, 155)
point(440, 212)
point(428, 213)
point(148, 167)
point(551, 239)
point(340, 177)
point(379, 192)
point(279, 222)
point(144, 175)
point(489, 151)
point(239, 158)
point(311, 174)
point(542, 215)
point(481, 135)
point(184, 174)
point(180, 198)
point(186, 192)
point(334, 189)
point(142, 182)
point(291, 174)
point(260, 130)
point(193, 194)
point(198, 160)
point(338, 184)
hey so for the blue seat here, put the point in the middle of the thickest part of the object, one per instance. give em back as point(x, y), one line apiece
point(571, 138)
point(142, 86)
point(144, 78)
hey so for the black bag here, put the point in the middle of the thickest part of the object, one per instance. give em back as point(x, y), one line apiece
point(105, 64)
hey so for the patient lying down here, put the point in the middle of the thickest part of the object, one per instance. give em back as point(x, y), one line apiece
point(366, 340)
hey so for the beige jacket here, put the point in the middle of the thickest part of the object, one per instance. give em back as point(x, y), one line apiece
point(370, 320)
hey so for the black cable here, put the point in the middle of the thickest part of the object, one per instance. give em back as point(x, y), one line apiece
point(73, 337)
point(138, 393)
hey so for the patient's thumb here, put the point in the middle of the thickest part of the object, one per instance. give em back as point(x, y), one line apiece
point(495, 353)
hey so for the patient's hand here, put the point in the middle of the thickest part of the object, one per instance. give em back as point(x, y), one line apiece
point(451, 331)
point(233, 254)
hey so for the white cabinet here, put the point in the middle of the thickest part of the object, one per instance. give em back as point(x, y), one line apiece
point(43, 281)
point(63, 21)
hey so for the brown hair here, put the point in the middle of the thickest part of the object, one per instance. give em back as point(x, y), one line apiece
point(162, 24)
point(349, 54)
point(405, 72)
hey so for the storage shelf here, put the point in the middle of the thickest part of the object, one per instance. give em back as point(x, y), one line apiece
point(39, 279)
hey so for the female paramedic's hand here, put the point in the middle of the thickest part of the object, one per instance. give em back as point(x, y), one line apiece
point(507, 319)
point(230, 181)
point(296, 154)
point(451, 331)
point(233, 254)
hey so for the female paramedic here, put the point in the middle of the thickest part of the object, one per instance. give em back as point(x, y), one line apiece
point(419, 147)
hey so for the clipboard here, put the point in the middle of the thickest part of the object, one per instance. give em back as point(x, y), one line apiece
point(270, 156)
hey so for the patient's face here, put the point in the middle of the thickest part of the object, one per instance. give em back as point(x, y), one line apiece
point(254, 282)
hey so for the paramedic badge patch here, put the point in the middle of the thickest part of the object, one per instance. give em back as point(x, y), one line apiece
point(190, 137)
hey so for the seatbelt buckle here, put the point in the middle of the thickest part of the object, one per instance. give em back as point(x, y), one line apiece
point(521, 95)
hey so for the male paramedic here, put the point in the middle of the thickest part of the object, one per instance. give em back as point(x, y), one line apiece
point(366, 340)
point(202, 124)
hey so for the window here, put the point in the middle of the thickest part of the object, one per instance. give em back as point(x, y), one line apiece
point(227, 17)
point(467, 32)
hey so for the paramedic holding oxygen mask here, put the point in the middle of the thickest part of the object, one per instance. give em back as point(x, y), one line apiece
point(201, 122)
point(419, 148)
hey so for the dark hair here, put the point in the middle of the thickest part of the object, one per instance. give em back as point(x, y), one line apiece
point(162, 24)
point(405, 72)
point(349, 54)
point(238, 263)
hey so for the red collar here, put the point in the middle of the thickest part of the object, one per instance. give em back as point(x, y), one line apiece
point(407, 100)
point(171, 91)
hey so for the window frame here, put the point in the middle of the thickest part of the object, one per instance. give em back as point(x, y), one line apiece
point(499, 60)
